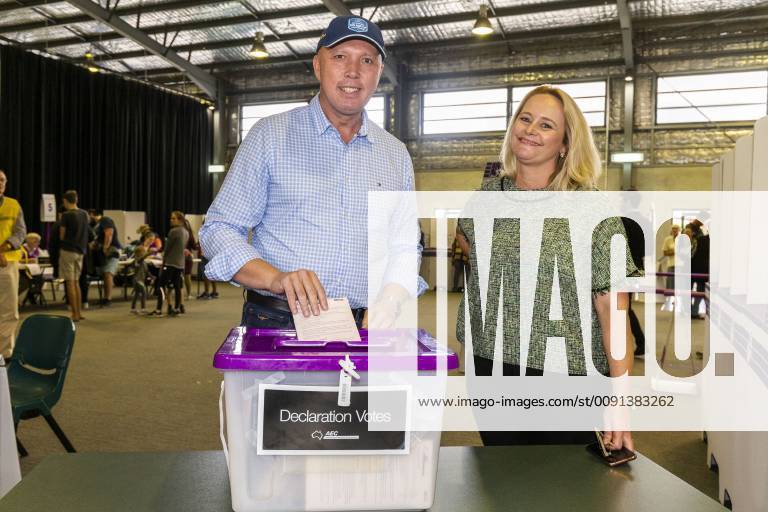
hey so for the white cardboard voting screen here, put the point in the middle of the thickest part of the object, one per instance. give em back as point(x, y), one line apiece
point(10, 474)
point(127, 223)
point(757, 289)
point(725, 232)
point(742, 180)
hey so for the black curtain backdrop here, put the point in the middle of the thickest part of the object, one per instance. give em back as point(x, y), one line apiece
point(122, 145)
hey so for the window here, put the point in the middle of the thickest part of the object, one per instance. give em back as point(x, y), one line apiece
point(712, 97)
point(589, 96)
point(250, 114)
point(481, 110)
point(375, 110)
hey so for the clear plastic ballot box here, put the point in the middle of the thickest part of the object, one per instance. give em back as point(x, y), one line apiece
point(296, 436)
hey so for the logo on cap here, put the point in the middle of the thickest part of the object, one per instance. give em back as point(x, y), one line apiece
point(357, 25)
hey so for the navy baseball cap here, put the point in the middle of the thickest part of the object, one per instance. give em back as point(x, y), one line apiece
point(344, 28)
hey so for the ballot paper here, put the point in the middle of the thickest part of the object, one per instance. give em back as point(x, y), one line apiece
point(334, 324)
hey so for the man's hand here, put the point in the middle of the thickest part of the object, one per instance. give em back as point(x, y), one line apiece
point(302, 286)
point(385, 313)
point(3, 261)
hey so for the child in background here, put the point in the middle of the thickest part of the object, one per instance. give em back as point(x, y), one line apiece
point(139, 280)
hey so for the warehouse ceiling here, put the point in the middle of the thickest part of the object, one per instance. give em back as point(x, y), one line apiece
point(190, 41)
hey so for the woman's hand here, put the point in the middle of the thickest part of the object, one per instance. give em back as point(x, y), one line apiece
point(616, 440)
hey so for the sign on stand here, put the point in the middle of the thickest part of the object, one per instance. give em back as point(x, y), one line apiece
point(48, 208)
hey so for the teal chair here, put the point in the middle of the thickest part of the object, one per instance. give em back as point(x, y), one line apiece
point(37, 370)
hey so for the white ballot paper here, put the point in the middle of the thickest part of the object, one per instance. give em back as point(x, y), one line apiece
point(335, 324)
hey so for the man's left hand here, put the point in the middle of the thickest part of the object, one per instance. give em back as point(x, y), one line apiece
point(384, 315)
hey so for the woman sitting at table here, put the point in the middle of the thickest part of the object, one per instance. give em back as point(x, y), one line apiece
point(549, 147)
point(32, 247)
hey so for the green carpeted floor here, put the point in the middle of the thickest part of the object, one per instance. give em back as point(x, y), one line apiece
point(147, 384)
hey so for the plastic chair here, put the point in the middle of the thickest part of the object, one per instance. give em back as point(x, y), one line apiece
point(37, 369)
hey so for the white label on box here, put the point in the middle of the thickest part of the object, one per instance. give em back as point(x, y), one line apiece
point(306, 420)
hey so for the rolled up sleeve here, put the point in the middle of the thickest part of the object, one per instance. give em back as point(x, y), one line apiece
point(237, 209)
point(404, 247)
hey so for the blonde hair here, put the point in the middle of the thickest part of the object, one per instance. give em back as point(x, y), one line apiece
point(33, 236)
point(580, 167)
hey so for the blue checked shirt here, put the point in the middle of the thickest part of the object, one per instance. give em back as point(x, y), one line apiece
point(304, 193)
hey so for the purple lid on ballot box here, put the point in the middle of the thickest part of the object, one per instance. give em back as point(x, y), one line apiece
point(247, 349)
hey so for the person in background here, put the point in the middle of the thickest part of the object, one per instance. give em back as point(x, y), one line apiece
point(189, 254)
point(54, 245)
point(31, 247)
point(668, 260)
point(12, 233)
point(106, 249)
point(140, 275)
point(149, 239)
point(73, 242)
point(209, 291)
point(460, 260)
point(173, 266)
point(699, 264)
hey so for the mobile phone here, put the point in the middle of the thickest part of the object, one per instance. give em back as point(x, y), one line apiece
point(610, 457)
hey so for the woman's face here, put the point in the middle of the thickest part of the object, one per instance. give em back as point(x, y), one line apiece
point(32, 243)
point(539, 131)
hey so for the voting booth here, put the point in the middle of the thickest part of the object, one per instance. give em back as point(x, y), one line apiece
point(10, 474)
point(743, 277)
point(296, 439)
point(127, 223)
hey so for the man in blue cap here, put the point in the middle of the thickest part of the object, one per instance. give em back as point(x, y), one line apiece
point(300, 183)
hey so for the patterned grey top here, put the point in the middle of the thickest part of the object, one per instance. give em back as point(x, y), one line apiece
point(556, 259)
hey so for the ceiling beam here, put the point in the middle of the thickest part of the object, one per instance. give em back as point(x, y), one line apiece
point(338, 8)
point(384, 25)
point(193, 25)
point(462, 42)
point(79, 18)
point(201, 78)
point(625, 21)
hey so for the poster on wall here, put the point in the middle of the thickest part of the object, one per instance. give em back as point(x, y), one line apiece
point(48, 208)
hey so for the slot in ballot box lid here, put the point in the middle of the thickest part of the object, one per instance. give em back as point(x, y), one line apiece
point(249, 349)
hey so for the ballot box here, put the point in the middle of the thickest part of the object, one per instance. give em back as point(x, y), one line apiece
point(295, 424)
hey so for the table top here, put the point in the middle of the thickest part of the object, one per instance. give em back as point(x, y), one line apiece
point(530, 478)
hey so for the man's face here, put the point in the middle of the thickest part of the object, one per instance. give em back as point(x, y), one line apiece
point(94, 217)
point(349, 74)
point(3, 181)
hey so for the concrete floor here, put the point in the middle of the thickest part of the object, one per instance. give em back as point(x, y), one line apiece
point(143, 384)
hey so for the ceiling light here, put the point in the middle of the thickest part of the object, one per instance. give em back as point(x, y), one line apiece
point(258, 50)
point(215, 169)
point(482, 25)
point(627, 158)
point(628, 78)
point(89, 64)
point(211, 107)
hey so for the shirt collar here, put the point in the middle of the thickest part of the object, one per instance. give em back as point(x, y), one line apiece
point(322, 123)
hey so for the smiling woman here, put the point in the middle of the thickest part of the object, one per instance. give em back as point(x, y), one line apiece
point(548, 146)
point(549, 143)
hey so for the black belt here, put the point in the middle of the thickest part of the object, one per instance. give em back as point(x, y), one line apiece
point(282, 305)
